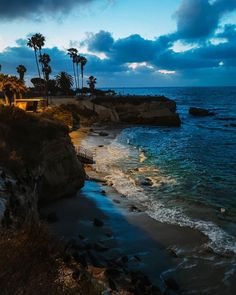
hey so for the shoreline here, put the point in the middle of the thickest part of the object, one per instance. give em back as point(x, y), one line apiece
point(178, 243)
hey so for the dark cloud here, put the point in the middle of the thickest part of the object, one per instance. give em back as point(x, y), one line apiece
point(135, 57)
point(133, 49)
point(127, 50)
point(100, 42)
point(198, 19)
point(21, 8)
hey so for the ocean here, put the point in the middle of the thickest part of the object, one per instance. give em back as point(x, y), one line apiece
point(184, 176)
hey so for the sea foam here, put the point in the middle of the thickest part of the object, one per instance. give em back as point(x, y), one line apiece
point(109, 159)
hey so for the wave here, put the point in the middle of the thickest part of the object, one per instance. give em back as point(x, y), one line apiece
point(220, 242)
point(109, 158)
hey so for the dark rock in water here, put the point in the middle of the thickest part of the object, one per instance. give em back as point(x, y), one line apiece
point(123, 196)
point(227, 119)
point(81, 237)
point(102, 133)
point(133, 208)
point(100, 247)
point(146, 182)
point(109, 235)
point(97, 222)
point(172, 253)
point(125, 259)
point(171, 284)
point(52, 217)
point(101, 146)
point(137, 258)
point(116, 201)
point(199, 112)
point(230, 125)
point(103, 192)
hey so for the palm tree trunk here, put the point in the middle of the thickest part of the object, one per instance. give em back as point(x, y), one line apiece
point(37, 63)
point(82, 79)
point(35, 54)
point(76, 86)
point(77, 71)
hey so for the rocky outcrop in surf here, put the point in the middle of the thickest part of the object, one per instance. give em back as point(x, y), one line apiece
point(200, 112)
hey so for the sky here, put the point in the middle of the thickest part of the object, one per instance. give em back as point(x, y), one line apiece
point(128, 43)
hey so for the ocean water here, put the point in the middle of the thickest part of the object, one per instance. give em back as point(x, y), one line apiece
point(191, 169)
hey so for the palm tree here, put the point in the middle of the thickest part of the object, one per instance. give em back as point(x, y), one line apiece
point(44, 60)
point(11, 87)
point(47, 71)
point(64, 81)
point(21, 71)
point(73, 53)
point(83, 61)
point(77, 62)
point(33, 43)
point(91, 82)
point(40, 41)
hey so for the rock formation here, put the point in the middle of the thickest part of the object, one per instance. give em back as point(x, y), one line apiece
point(199, 112)
point(155, 110)
point(38, 163)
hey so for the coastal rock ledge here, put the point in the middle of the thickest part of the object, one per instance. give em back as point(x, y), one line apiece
point(141, 110)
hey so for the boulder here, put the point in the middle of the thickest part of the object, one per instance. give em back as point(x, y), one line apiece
point(199, 112)
point(97, 222)
point(172, 284)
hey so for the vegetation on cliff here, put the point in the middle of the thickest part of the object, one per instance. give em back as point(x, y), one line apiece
point(22, 136)
point(33, 262)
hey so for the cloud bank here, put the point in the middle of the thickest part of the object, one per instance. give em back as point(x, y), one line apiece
point(138, 61)
point(21, 8)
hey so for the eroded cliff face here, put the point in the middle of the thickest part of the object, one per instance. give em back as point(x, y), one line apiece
point(143, 110)
point(61, 174)
point(38, 164)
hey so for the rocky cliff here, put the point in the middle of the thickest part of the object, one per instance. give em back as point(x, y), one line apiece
point(38, 163)
point(151, 110)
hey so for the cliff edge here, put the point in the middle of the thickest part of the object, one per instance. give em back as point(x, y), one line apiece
point(38, 163)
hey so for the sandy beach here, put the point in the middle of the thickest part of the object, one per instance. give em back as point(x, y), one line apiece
point(158, 249)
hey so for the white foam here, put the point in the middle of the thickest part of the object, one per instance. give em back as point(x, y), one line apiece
point(220, 241)
point(142, 157)
point(146, 169)
point(106, 161)
point(158, 181)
